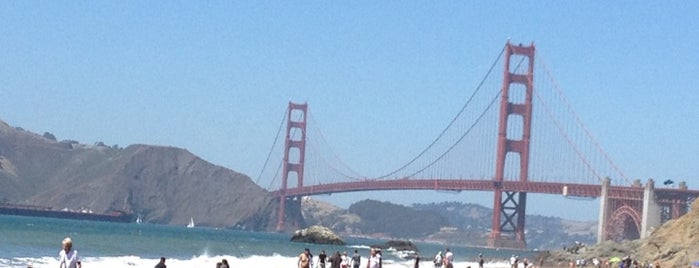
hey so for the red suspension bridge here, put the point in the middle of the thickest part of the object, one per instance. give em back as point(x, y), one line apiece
point(515, 135)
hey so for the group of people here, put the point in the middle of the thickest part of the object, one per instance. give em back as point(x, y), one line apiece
point(222, 264)
point(515, 262)
point(625, 262)
point(446, 259)
point(339, 260)
point(68, 257)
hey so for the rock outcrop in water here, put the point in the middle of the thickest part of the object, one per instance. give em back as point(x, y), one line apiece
point(317, 234)
point(398, 245)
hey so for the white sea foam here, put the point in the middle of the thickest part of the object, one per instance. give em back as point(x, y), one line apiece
point(275, 261)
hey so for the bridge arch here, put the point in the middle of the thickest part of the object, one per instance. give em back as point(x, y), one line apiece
point(624, 224)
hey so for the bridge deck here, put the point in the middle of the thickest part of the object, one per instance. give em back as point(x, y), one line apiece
point(569, 189)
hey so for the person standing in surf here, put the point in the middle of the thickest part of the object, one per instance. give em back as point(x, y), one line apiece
point(321, 258)
point(305, 259)
point(356, 259)
point(449, 259)
point(437, 260)
point(68, 257)
point(161, 264)
point(374, 260)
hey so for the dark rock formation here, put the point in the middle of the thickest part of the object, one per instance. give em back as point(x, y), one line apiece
point(317, 234)
point(402, 248)
point(401, 245)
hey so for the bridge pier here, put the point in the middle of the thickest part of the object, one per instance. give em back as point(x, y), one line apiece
point(650, 219)
point(635, 212)
point(603, 210)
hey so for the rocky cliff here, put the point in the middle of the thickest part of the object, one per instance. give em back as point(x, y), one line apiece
point(674, 244)
point(165, 185)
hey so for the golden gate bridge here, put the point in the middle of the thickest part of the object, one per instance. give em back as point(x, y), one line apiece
point(516, 134)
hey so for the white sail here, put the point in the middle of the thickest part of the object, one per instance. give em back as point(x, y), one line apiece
point(191, 223)
point(139, 220)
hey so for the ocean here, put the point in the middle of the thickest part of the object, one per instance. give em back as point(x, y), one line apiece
point(35, 242)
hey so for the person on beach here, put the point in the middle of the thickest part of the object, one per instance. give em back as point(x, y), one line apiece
point(68, 257)
point(449, 259)
point(480, 261)
point(417, 262)
point(321, 258)
point(335, 260)
point(356, 259)
point(224, 263)
point(305, 259)
point(374, 260)
point(438, 260)
point(161, 263)
point(345, 260)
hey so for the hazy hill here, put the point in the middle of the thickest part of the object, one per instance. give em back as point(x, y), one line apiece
point(446, 222)
point(165, 185)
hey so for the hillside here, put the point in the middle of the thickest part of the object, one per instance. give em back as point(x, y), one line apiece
point(447, 222)
point(165, 185)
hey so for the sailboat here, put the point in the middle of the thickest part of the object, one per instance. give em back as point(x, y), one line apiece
point(191, 223)
point(139, 220)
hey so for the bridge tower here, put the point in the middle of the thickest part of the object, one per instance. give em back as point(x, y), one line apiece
point(294, 154)
point(509, 210)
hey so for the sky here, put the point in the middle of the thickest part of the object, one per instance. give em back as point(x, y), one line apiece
point(215, 77)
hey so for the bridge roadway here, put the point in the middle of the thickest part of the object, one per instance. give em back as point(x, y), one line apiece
point(571, 189)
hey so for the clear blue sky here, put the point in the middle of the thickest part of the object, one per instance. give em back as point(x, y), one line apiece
point(215, 77)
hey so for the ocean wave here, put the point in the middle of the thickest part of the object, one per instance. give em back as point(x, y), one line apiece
point(275, 261)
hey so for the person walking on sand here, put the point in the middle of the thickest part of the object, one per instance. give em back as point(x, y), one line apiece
point(356, 259)
point(480, 261)
point(321, 258)
point(335, 260)
point(438, 260)
point(374, 260)
point(449, 259)
point(68, 257)
point(305, 259)
point(161, 264)
point(345, 260)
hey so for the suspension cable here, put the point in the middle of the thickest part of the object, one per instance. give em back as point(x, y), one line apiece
point(567, 138)
point(276, 138)
point(490, 105)
point(463, 108)
point(579, 122)
point(478, 119)
point(333, 154)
